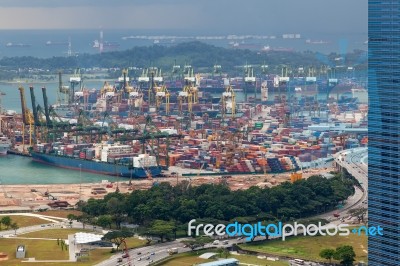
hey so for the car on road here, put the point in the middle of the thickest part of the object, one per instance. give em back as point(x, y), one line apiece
point(225, 242)
point(147, 258)
point(139, 253)
point(119, 260)
point(152, 253)
point(125, 255)
point(139, 259)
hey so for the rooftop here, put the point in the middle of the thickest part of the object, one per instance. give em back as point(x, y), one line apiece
point(83, 238)
point(207, 255)
point(220, 262)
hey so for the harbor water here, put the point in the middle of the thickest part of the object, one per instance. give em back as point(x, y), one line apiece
point(22, 170)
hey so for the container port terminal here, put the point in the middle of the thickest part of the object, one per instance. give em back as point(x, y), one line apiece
point(146, 129)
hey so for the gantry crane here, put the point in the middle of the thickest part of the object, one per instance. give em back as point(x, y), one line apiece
point(62, 90)
point(74, 80)
point(82, 96)
point(283, 80)
point(124, 82)
point(217, 69)
point(190, 92)
point(264, 68)
point(188, 74)
point(135, 99)
point(161, 93)
point(49, 123)
point(107, 91)
point(249, 80)
point(229, 101)
point(185, 96)
point(154, 85)
point(27, 118)
point(134, 94)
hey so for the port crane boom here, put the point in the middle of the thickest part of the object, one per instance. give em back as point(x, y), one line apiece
point(27, 118)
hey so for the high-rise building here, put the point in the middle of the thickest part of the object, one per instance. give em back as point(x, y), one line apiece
point(384, 130)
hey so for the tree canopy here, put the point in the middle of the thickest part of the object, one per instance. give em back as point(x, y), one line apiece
point(117, 237)
point(345, 254)
point(164, 202)
point(197, 54)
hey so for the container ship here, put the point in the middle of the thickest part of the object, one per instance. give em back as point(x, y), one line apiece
point(108, 159)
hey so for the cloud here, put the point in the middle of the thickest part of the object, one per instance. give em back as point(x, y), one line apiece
point(143, 17)
point(208, 16)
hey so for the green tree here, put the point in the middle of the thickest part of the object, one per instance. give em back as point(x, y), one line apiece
point(161, 228)
point(6, 220)
point(359, 213)
point(118, 237)
point(345, 254)
point(327, 254)
point(164, 202)
point(223, 252)
point(15, 227)
point(84, 219)
point(197, 242)
point(104, 221)
point(70, 218)
point(115, 207)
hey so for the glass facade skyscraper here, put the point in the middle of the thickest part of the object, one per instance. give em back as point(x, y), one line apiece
point(383, 130)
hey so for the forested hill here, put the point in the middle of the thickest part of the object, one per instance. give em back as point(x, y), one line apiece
point(197, 54)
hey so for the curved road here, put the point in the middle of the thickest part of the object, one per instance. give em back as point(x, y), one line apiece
point(354, 160)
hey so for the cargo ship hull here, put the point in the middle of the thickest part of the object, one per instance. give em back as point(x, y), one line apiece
point(97, 167)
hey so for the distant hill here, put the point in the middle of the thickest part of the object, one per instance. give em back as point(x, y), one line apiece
point(200, 55)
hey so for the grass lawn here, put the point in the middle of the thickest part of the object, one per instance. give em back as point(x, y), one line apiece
point(131, 242)
point(53, 233)
point(23, 221)
point(96, 256)
point(39, 249)
point(46, 250)
point(60, 213)
point(134, 242)
point(309, 247)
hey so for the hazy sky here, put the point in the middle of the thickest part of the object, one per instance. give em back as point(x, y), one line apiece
point(213, 16)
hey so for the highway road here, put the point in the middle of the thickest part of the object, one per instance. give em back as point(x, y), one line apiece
point(354, 161)
point(145, 255)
